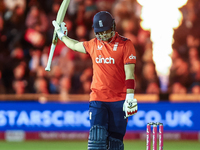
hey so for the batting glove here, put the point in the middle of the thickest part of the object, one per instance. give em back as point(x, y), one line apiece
point(130, 105)
point(61, 29)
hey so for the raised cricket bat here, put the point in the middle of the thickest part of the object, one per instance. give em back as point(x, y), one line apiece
point(60, 17)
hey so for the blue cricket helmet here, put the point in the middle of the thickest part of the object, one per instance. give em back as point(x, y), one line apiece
point(102, 21)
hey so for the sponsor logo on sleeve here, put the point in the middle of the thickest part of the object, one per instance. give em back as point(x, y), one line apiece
point(132, 57)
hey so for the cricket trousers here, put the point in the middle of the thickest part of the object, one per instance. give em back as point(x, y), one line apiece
point(110, 115)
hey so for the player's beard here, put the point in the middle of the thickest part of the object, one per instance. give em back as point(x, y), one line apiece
point(105, 36)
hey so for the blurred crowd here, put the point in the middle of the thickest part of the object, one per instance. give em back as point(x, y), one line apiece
point(26, 33)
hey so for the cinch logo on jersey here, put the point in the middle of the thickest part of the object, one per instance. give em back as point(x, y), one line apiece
point(109, 60)
point(132, 57)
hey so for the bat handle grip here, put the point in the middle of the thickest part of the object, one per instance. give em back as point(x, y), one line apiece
point(53, 46)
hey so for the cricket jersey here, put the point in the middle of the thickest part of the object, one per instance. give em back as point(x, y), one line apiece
point(108, 83)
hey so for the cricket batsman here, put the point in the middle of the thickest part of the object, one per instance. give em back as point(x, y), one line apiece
point(112, 98)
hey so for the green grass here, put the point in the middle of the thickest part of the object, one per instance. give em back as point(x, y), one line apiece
point(82, 145)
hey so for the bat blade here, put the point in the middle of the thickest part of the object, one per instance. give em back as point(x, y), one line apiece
point(60, 17)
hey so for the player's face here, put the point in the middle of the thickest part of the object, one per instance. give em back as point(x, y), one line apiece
point(105, 35)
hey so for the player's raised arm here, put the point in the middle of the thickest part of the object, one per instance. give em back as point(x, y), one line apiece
point(74, 44)
point(62, 35)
